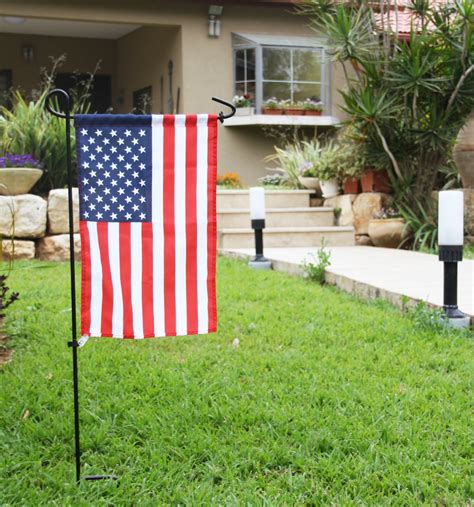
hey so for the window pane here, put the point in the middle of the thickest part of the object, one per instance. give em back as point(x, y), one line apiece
point(276, 64)
point(250, 64)
point(306, 91)
point(246, 88)
point(306, 65)
point(240, 65)
point(282, 91)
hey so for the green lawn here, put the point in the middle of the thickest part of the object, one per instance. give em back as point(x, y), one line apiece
point(328, 400)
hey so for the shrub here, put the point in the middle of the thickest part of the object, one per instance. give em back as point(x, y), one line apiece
point(229, 180)
point(315, 268)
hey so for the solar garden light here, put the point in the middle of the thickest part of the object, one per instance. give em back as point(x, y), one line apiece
point(257, 217)
point(450, 248)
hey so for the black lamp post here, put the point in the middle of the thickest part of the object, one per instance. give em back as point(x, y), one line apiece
point(450, 249)
point(257, 217)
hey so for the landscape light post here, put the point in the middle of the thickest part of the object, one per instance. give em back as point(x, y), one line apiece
point(450, 251)
point(257, 218)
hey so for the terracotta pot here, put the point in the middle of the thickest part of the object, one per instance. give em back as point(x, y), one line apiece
point(351, 186)
point(18, 180)
point(294, 112)
point(329, 188)
point(266, 110)
point(312, 112)
point(310, 182)
point(463, 153)
point(375, 181)
point(388, 232)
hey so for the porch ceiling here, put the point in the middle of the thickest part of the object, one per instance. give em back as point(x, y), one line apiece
point(37, 26)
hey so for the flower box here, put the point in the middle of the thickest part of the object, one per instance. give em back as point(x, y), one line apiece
point(244, 111)
point(267, 110)
point(18, 180)
point(292, 111)
point(312, 112)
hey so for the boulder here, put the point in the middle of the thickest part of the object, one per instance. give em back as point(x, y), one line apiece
point(58, 211)
point(18, 249)
point(22, 216)
point(364, 207)
point(56, 248)
point(344, 203)
point(363, 240)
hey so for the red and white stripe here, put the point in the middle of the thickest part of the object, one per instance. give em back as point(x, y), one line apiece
point(141, 280)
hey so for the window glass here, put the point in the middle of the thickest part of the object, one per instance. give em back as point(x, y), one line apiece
point(303, 91)
point(306, 65)
point(246, 88)
point(250, 53)
point(281, 91)
point(276, 64)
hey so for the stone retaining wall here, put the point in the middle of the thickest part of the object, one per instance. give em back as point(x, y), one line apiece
point(33, 227)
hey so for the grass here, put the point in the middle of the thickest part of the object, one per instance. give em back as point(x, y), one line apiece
point(327, 400)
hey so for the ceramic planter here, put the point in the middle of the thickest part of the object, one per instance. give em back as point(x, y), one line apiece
point(388, 232)
point(244, 111)
point(329, 188)
point(312, 112)
point(292, 111)
point(463, 153)
point(310, 183)
point(18, 180)
point(351, 186)
point(267, 110)
point(375, 181)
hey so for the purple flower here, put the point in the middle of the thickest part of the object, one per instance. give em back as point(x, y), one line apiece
point(11, 160)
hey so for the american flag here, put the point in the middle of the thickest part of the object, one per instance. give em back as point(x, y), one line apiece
point(148, 224)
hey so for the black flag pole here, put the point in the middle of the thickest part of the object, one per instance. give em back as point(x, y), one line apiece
point(64, 102)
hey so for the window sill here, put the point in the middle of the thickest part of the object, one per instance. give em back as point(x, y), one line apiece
point(269, 119)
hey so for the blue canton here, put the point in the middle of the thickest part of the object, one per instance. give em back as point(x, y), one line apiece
point(114, 170)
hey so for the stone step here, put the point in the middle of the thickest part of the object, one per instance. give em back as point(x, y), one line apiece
point(288, 237)
point(277, 217)
point(239, 199)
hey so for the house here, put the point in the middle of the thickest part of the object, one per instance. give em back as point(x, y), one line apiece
point(173, 56)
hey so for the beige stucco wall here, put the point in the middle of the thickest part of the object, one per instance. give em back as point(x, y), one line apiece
point(82, 55)
point(203, 65)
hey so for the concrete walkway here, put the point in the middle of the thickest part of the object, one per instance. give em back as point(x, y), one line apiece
point(379, 272)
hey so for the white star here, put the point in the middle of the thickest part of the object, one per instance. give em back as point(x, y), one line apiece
point(121, 158)
point(113, 216)
point(121, 191)
point(85, 165)
point(135, 158)
point(92, 207)
point(142, 166)
point(84, 132)
point(106, 174)
point(142, 199)
point(128, 183)
point(142, 216)
point(113, 149)
point(113, 166)
point(128, 166)
point(106, 141)
point(85, 197)
point(93, 174)
point(142, 133)
point(135, 191)
point(86, 214)
point(128, 216)
point(100, 198)
point(100, 182)
point(92, 190)
point(142, 149)
point(128, 133)
point(142, 183)
point(99, 216)
point(91, 140)
point(121, 207)
point(106, 191)
point(128, 199)
point(135, 141)
point(106, 207)
point(128, 149)
point(113, 183)
point(100, 165)
point(120, 141)
point(98, 132)
point(135, 207)
point(135, 174)
point(106, 158)
point(121, 174)
point(98, 149)
point(113, 199)
point(113, 133)
point(92, 156)
point(85, 148)
point(85, 181)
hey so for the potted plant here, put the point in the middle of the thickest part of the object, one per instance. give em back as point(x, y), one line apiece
point(387, 229)
point(229, 180)
point(308, 176)
point(375, 180)
point(350, 167)
point(272, 106)
point(18, 174)
point(312, 107)
point(327, 170)
point(294, 108)
point(244, 105)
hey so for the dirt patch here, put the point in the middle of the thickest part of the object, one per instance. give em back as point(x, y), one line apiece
point(5, 352)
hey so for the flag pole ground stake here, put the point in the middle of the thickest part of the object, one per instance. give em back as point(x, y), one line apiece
point(74, 344)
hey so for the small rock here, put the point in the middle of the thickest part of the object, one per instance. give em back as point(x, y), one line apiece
point(56, 248)
point(58, 210)
point(363, 240)
point(18, 249)
point(22, 216)
point(236, 343)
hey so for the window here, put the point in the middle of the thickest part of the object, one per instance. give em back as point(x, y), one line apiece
point(288, 68)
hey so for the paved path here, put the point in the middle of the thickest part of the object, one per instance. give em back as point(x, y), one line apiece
point(380, 272)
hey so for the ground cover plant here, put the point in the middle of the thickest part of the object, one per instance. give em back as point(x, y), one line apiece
point(326, 400)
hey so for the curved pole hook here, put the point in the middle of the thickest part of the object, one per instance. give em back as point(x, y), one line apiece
point(56, 93)
point(221, 115)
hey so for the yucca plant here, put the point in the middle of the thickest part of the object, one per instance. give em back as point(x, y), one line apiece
point(406, 99)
